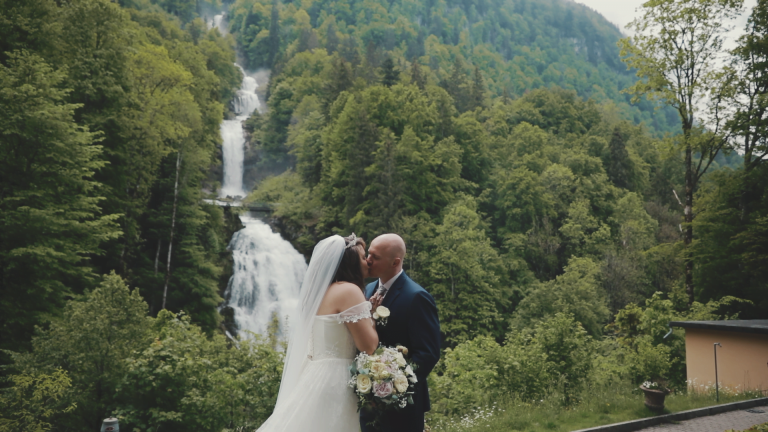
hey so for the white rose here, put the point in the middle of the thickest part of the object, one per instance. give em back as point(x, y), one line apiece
point(400, 359)
point(411, 375)
point(375, 316)
point(379, 371)
point(401, 383)
point(382, 311)
point(364, 384)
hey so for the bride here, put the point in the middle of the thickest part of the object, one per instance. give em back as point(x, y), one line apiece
point(332, 321)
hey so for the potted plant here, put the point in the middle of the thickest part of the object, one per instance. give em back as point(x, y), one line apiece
point(651, 363)
point(655, 393)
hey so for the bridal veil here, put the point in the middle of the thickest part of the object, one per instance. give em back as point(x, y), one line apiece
point(322, 267)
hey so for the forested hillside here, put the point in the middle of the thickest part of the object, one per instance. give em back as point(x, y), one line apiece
point(517, 45)
point(110, 120)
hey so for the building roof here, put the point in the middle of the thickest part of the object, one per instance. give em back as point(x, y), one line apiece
point(741, 326)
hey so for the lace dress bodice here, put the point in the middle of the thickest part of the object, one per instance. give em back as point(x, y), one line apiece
point(330, 337)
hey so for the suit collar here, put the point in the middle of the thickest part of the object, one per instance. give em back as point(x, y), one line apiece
point(395, 290)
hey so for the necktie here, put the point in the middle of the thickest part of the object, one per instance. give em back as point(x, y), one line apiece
point(382, 291)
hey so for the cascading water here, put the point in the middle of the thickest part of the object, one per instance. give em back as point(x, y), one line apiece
point(244, 104)
point(267, 270)
point(267, 277)
point(233, 137)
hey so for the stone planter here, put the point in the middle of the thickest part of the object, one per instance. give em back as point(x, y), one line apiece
point(654, 399)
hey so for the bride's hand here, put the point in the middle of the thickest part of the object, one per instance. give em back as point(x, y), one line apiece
point(375, 301)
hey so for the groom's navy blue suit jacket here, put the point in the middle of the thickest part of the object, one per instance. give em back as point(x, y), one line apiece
point(413, 323)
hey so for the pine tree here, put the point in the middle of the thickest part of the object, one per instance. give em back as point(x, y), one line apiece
point(477, 91)
point(340, 80)
point(389, 73)
point(50, 222)
point(274, 33)
point(456, 86)
point(620, 166)
point(417, 76)
point(331, 39)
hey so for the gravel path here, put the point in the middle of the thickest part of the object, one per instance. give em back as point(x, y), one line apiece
point(738, 420)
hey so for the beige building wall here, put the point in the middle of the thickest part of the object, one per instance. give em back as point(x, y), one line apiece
point(742, 361)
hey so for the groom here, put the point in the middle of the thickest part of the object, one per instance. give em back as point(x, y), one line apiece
point(412, 323)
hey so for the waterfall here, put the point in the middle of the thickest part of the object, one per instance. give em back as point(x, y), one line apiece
point(268, 271)
point(245, 102)
point(267, 277)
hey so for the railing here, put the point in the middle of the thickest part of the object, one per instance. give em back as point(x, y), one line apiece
point(253, 206)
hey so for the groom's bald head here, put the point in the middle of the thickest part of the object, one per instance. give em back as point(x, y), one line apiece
point(385, 256)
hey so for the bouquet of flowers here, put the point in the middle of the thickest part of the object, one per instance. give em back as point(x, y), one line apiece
point(384, 380)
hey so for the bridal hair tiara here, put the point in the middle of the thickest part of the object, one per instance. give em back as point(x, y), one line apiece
point(352, 241)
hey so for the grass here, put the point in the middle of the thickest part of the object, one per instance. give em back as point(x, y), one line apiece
point(600, 407)
point(758, 428)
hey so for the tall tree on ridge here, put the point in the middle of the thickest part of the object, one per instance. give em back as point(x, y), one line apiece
point(417, 75)
point(477, 91)
point(750, 121)
point(389, 73)
point(675, 51)
point(274, 33)
point(619, 167)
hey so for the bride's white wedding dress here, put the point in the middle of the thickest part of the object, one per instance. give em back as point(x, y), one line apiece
point(321, 400)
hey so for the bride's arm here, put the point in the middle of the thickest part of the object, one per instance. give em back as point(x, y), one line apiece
point(364, 334)
point(357, 317)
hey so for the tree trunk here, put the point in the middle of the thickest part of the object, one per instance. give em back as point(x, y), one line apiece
point(173, 225)
point(688, 217)
point(157, 255)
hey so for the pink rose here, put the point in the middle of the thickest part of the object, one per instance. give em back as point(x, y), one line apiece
point(382, 390)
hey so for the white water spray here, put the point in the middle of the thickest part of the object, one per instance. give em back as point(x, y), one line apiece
point(267, 277)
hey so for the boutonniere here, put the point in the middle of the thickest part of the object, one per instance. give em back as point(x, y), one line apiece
point(381, 315)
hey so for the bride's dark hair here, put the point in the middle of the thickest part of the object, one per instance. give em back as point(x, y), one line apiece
point(350, 270)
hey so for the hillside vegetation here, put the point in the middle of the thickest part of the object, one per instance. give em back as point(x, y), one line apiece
point(517, 45)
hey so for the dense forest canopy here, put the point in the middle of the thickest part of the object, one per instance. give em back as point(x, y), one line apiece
point(540, 204)
point(518, 45)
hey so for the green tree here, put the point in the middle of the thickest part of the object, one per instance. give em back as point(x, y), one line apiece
point(90, 342)
point(477, 91)
point(750, 119)
point(567, 346)
point(390, 75)
point(417, 76)
point(577, 292)
point(50, 216)
point(466, 276)
point(675, 51)
point(619, 169)
point(32, 400)
point(185, 380)
point(274, 33)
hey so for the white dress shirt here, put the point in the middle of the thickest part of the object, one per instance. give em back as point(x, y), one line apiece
point(387, 285)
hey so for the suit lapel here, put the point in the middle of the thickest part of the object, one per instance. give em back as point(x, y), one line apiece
point(369, 290)
point(394, 291)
